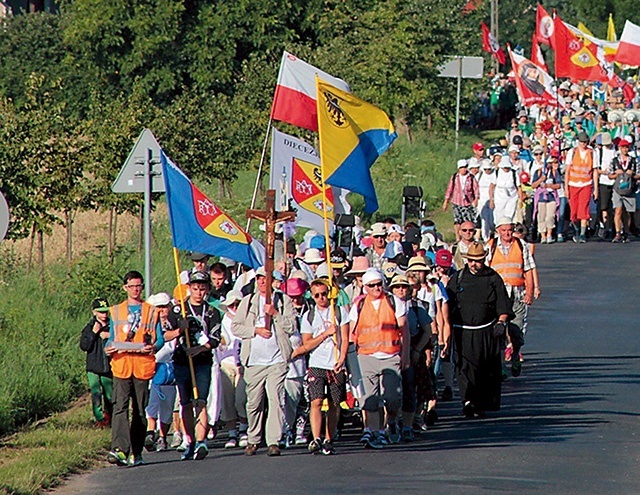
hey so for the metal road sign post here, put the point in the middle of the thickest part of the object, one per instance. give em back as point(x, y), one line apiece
point(4, 217)
point(461, 68)
point(142, 173)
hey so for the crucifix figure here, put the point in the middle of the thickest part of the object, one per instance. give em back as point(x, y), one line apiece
point(270, 217)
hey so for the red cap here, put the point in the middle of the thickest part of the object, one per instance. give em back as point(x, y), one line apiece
point(555, 152)
point(478, 146)
point(624, 142)
point(525, 178)
point(444, 258)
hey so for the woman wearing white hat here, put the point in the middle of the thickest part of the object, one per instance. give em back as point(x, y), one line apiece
point(505, 192)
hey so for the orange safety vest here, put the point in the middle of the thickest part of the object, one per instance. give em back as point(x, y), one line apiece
point(377, 331)
point(581, 169)
point(127, 364)
point(510, 267)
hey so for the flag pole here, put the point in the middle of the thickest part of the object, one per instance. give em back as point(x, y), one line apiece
point(327, 245)
point(176, 262)
point(260, 167)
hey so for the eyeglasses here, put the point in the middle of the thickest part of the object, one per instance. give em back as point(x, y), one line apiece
point(467, 230)
point(373, 286)
point(537, 154)
point(379, 236)
point(318, 295)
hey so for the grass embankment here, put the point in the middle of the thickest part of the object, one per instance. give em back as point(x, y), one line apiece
point(40, 325)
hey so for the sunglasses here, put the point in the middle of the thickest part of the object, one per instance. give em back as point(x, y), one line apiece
point(373, 286)
point(467, 230)
point(318, 295)
point(537, 154)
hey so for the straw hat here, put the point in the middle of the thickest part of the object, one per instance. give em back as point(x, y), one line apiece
point(475, 252)
point(399, 280)
point(360, 265)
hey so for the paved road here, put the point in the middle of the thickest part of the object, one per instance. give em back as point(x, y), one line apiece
point(569, 424)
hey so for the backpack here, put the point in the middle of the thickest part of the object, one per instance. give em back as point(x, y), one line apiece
point(623, 184)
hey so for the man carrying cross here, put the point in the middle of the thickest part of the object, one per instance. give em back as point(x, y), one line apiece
point(264, 323)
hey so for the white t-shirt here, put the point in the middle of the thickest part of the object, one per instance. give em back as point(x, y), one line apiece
point(401, 310)
point(297, 367)
point(323, 356)
point(264, 352)
point(607, 157)
point(228, 353)
point(484, 182)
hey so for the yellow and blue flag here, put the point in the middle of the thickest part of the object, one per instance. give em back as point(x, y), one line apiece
point(198, 224)
point(352, 135)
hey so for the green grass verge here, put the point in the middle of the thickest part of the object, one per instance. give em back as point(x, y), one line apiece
point(41, 456)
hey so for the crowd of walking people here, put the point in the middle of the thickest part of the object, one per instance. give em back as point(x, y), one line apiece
point(377, 332)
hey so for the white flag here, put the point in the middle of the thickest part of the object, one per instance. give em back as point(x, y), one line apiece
point(295, 176)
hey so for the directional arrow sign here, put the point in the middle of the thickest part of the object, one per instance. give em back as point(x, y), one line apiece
point(131, 177)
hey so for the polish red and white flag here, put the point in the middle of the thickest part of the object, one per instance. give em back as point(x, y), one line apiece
point(294, 100)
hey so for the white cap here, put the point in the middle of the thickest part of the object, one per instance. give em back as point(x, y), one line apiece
point(231, 297)
point(462, 163)
point(505, 162)
point(504, 221)
point(322, 270)
point(312, 255)
point(371, 275)
point(159, 299)
point(514, 147)
point(395, 228)
point(487, 164)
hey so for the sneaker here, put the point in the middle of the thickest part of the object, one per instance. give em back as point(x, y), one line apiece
point(625, 239)
point(418, 427)
point(383, 438)
point(232, 443)
point(176, 440)
point(211, 434)
point(582, 239)
point(161, 444)
point(327, 448)
point(117, 457)
point(447, 394)
point(314, 446)
point(135, 460)
point(507, 353)
point(393, 433)
point(407, 435)
point(617, 238)
point(560, 238)
point(150, 441)
point(251, 449)
point(201, 451)
point(184, 445)
point(550, 240)
point(520, 357)
point(301, 440)
point(468, 409)
point(273, 450)
point(431, 417)
point(243, 441)
point(516, 368)
point(188, 452)
point(374, 442)
point(366, 437)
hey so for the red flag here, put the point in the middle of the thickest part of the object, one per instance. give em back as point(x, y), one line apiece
point(616, 81)
point(544, 27)
point(573, 58)
point(491, 45)
point(533, 83)
point(471, 5)
point(536, 54)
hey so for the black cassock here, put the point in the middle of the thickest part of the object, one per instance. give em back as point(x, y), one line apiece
point(475, 302)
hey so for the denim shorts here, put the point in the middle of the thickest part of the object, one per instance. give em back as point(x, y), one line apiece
point(184, 384)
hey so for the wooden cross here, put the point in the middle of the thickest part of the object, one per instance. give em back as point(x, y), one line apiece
point(270, 217)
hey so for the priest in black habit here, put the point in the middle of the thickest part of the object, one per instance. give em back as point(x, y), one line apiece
point(479, 313)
